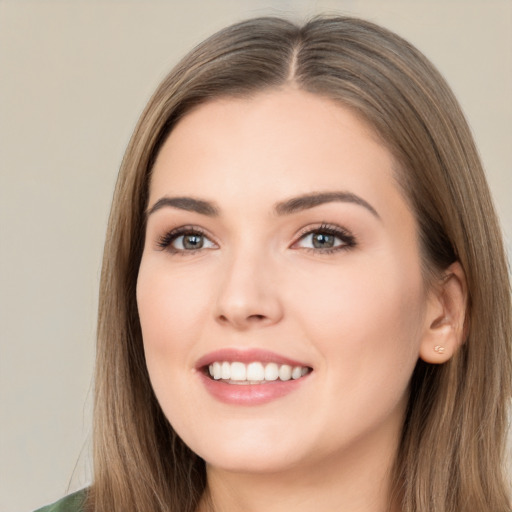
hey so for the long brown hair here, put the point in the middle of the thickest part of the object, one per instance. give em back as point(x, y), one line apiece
point(452, 447)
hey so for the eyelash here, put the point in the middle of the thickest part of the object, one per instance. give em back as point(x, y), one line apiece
point(348, 240)
point(165, 241)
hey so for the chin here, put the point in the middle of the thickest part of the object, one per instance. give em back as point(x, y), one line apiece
point(247, 453)
point(259, 462)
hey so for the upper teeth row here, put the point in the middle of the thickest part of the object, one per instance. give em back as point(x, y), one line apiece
point(255, 372)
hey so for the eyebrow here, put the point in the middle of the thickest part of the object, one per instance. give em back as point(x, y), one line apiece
point(300, 203)
point(292, 205)
point(189, 204)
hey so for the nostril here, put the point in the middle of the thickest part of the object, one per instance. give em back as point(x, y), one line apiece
point(256, 317)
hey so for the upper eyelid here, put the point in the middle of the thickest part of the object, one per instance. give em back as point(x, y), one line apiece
point(186, 229)
point(324, 226)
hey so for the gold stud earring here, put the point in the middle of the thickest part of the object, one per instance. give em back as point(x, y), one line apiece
point(439, 349)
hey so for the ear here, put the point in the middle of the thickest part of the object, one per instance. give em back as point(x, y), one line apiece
point(445, 327)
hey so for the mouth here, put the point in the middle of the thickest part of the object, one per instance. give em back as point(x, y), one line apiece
point(253, 373)
point(251, 376)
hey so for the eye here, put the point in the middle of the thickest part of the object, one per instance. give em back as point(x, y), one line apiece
point(191, 242)
point(326, 238)
point(185, 239)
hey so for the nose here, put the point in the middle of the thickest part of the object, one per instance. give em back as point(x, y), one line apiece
point(248, 293)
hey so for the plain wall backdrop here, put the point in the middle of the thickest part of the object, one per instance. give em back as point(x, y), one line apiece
point(74, 77)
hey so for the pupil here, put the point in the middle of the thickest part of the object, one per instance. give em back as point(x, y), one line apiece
point(193, 241)
point(322, 240)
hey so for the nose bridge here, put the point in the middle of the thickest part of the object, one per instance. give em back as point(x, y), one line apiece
point(248, 295)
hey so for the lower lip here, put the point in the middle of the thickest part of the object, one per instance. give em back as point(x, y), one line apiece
point(250, 394)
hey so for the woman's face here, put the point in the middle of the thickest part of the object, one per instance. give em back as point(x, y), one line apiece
point(280, 290)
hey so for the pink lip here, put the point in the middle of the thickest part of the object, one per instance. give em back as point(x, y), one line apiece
point(245, 356)
point(248, 394)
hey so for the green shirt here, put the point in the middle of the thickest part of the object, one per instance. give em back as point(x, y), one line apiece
point(71, 503)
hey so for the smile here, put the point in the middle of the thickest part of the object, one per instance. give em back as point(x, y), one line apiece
point(250, 376)
point(255, 372)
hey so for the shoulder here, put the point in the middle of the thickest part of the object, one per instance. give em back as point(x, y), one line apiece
point(72, 503)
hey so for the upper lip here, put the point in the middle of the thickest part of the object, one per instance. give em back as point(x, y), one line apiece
point(246, 356)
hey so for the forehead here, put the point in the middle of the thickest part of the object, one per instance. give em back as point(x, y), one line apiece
point(275, 144)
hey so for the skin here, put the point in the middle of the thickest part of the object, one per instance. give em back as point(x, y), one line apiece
point(359, 316)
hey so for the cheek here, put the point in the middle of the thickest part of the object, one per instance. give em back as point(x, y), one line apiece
point(365, 318)
point(170, 309)
point(366, 327)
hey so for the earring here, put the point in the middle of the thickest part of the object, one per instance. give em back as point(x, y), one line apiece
point(439, 349)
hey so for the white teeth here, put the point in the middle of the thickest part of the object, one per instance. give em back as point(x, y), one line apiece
point(238, 371)
point(225, 370)
point(297, 372)
point(285, 372)
point(255, 372)
point(271, 371)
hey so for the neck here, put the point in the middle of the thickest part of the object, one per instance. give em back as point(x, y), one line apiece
point(353, 482)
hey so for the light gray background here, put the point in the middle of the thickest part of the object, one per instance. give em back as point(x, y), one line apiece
point(74, 76)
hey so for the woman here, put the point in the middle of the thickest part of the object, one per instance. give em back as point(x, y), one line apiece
point(305, 299)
